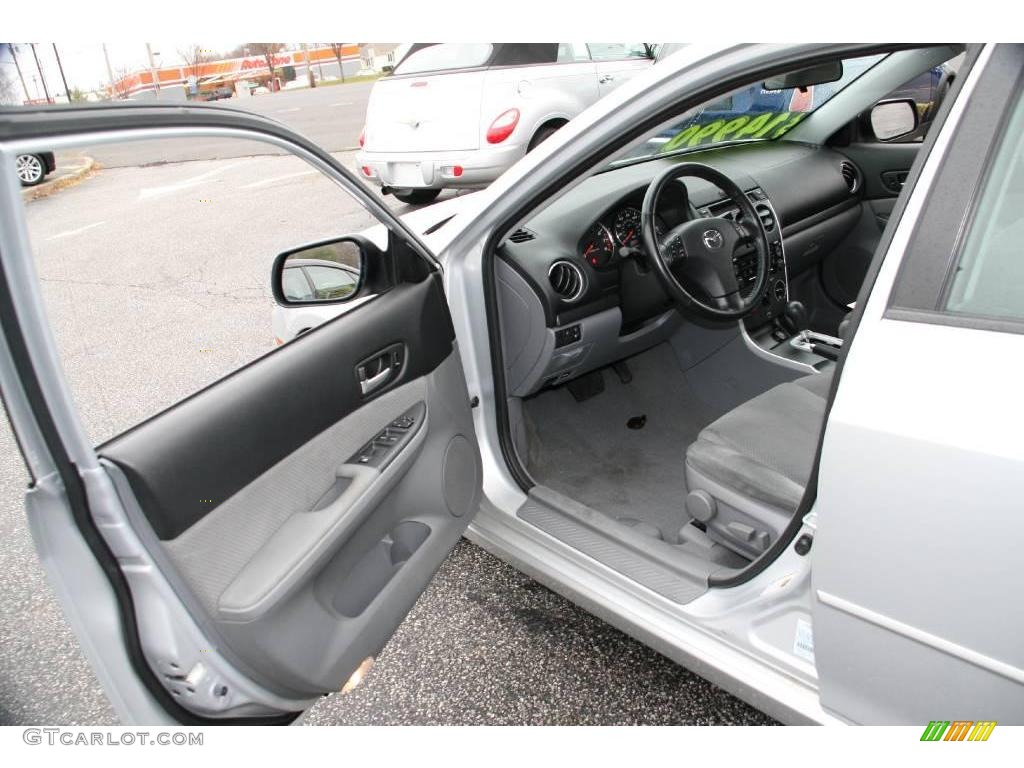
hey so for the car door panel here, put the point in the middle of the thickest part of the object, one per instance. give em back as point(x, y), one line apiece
point(175, 461)
point(264, 536)
point(305, 559)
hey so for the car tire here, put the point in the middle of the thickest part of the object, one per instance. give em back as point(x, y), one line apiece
point(541, 136)
point(31, 169)
point(417, 196)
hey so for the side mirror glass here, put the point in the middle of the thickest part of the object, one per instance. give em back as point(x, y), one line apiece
point(893, 119)
point(321, 273)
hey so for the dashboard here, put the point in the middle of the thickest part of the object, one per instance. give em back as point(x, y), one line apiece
point(574, 286)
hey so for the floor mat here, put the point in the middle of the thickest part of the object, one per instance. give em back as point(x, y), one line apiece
point(587, 452)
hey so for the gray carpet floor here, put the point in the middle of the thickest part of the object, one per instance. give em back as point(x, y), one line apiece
point(586, 451)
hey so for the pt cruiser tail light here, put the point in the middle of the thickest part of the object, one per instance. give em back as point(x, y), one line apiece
point(503, 126)
point(362, 137)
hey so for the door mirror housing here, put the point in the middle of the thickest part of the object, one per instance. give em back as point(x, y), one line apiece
point(894, 119)
point(828, 72)
point(327, 272)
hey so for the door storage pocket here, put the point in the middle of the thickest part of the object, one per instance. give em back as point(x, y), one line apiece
point(378, 566)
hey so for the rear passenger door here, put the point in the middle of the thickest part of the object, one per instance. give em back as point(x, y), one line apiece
point(915, 566)
point(247, 544)
point(618, 62)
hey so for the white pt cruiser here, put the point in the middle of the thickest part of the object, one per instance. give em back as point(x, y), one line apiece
point(456, 115)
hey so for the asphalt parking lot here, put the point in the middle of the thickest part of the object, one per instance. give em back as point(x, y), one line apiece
point(145, 316)
point(331, 116)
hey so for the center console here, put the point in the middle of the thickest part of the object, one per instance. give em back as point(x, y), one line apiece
point(777, 326)
point(776, 289)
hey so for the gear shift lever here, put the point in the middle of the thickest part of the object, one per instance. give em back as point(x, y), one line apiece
point(794, 318)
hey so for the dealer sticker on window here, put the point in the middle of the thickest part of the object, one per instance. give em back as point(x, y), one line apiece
point(803, 643)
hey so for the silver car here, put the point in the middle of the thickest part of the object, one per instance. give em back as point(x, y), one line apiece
point(631, 369)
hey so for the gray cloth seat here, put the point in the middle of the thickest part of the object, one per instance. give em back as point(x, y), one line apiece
point(764, 449)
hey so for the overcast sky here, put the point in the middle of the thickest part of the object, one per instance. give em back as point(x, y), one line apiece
point(83, 63)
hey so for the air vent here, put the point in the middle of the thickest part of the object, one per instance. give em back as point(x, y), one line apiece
point(850, 176)
point(566, 279)
point(767, 217)
point(521, 236)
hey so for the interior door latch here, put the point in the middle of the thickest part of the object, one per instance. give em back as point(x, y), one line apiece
point(380, 369)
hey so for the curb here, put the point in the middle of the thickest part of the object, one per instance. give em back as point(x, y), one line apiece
point(47, 188)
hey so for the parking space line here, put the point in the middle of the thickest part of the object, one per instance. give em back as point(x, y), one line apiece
point(290, 109)
point(274, 179)
point(168, 189)
point(78, 231)
point(342, 104)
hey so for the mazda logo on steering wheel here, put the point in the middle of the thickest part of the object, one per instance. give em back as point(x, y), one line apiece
point(712, 238)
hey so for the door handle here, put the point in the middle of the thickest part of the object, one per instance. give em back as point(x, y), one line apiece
point(605, 79)
point(379, 369)
point(376, 381)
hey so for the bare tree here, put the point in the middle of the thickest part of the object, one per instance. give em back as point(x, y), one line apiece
point(267, 51)
point(8, 89)
point(121, 87)
point(194, 56)
point(337, 48)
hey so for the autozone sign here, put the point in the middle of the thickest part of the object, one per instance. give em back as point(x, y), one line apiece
point(261, 62)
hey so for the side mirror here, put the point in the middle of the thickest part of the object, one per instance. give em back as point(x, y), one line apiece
point(328, 272)
point(894, 119)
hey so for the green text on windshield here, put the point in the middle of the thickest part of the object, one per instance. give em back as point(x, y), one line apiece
point(751, 113)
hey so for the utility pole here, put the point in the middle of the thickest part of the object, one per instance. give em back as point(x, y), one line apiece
point(46, 91)
point(152, 70)
point(64, 80)
point(21, 76)
point(110, 71)
point(310, 80)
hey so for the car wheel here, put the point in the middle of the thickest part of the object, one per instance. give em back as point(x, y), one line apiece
point(417, 196)
point(541, 136)
point(31, 169)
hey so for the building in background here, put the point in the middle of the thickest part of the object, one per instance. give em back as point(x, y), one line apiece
point(241, 75)
point(380, 57)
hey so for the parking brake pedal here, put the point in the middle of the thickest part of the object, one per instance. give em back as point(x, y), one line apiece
point(586, 387)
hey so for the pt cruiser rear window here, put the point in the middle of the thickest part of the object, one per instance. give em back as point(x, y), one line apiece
point(441, 56)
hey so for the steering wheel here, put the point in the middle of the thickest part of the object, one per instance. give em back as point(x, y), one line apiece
point(694, 259)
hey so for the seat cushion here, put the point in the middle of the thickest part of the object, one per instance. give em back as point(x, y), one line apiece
point(764, 448)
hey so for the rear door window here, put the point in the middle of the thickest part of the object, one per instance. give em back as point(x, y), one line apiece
point(989, 278)
point(296, 287)
point(331, 282)
point(618, 51)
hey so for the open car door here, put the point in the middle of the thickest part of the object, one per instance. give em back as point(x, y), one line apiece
point(247, 550)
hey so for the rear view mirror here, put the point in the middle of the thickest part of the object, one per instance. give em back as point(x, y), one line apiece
point(828, 72)
point(320, 273)
point(893, 119)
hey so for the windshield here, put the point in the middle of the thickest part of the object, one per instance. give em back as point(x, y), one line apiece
point(751, 113)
